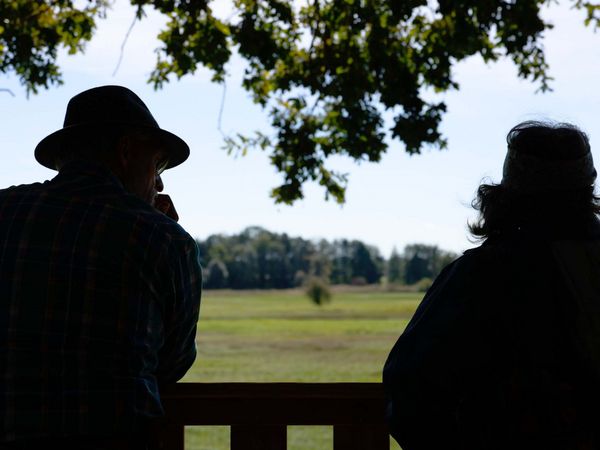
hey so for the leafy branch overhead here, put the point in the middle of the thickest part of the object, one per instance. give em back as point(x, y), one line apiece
point(32, 32)
point(324, 70)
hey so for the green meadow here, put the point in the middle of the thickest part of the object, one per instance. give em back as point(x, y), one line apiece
point(271, 336)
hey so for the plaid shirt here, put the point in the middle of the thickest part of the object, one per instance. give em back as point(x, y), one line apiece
point(99, 299)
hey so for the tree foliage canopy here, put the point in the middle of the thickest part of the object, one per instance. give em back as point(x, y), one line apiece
point(324, 70)
point(32, 32)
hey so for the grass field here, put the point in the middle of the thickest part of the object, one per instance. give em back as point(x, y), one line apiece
point(281, 336)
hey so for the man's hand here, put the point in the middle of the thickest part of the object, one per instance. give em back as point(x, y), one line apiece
point(164, 204)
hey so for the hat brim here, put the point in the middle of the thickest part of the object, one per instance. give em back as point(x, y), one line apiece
point(48, 148)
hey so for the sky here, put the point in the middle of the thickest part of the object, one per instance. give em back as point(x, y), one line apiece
point(401, 200)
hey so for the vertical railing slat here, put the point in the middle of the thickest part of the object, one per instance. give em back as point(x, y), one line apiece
point(263, 437)
point(360, 437)
point(167, 437)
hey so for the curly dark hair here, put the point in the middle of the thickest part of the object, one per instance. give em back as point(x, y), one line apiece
point(502, 210)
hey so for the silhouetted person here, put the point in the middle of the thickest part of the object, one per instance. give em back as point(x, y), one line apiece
point(99, 290)
point(504, 350)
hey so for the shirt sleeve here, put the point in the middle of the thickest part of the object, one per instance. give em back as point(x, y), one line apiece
point(181, 312)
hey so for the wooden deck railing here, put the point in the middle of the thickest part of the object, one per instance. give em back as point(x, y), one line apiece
point(259, 413)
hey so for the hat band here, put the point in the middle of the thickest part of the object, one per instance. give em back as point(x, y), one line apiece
point(530, 174)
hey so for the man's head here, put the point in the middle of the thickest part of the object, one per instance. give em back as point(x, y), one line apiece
point(548, 179)
point(112, 126)
point(139, 161)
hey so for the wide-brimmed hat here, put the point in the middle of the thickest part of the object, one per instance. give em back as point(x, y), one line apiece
point(108, 108)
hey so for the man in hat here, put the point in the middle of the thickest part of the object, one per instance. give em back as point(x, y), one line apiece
point(504, 350)
point(99, 285)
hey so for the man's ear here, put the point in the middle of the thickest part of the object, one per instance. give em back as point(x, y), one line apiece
point(124, 153)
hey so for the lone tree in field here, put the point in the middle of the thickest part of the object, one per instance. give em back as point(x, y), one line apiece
point(325, 70)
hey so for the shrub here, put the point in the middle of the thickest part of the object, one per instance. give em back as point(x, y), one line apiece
point(318, 290)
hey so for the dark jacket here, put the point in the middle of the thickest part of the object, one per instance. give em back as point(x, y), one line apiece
point(494, 356)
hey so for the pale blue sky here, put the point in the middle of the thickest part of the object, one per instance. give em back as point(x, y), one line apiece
point(399, 201)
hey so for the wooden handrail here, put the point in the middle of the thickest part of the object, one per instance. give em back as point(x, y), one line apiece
point(259, 413)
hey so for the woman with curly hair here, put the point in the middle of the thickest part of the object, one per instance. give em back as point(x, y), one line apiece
point(504, 350)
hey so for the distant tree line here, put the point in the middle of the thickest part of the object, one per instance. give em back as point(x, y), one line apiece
point(259, 259)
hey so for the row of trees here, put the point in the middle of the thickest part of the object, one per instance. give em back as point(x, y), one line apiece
point(259, 259)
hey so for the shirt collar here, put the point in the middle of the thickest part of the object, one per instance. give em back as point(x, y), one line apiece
point(89, 169)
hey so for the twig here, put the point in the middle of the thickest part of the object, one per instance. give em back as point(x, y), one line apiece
point(7, 90)
point(221, 108)
point(314, 29)
point(135, 18)
point(314, 106)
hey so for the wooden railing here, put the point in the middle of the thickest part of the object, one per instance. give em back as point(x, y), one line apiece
point(259, 413)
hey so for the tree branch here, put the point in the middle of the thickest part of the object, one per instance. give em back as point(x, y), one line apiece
point(135, 18)
point(221, 108)
point(315, 29)
point(8, 90)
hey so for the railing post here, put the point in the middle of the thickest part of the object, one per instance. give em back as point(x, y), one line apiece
point(360, 437)
point(167, 437)
point(258, 437)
